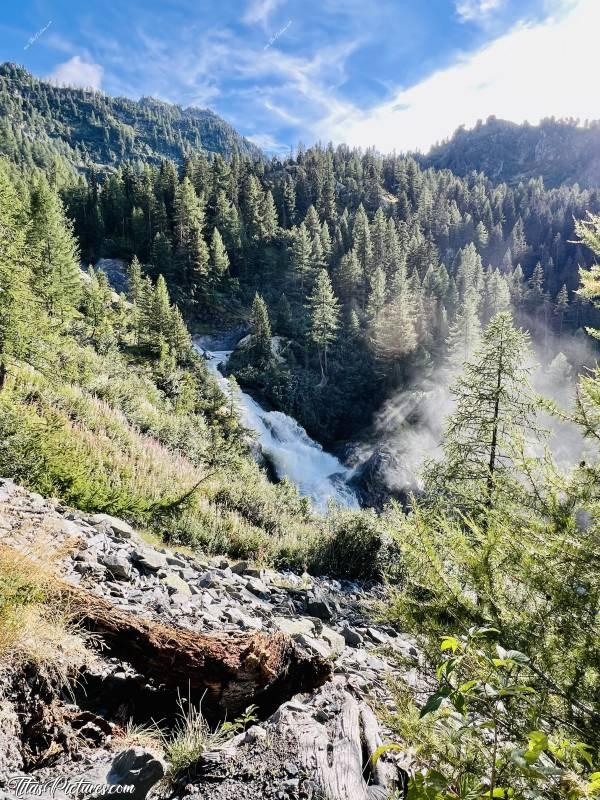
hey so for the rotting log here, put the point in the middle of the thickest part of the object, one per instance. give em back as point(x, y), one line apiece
point(231, 670)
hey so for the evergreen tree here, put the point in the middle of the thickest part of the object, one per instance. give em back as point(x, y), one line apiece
point(465, 333)
point(301, 251)
point(260, 332)
point(377, 294)
point(284, 319)
point(15, 276)
point(495, 412)
point(54, 252)
point(324, 318)
point(219, 260)
point(191, 249)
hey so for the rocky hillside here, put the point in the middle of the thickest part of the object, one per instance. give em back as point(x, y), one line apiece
point(557, 151)
point(93, 718)
point(40, 120)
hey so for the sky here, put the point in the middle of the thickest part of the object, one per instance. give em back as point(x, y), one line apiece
point(394, 74)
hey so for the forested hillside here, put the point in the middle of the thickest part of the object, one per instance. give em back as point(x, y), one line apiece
point(558, 151)
point(371, 268)
point(56, 127)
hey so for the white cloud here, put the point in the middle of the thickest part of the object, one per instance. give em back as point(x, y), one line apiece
point(76, 72)
point(259, 11)
point(534, 71)
point(268, 143)
point(469, 10)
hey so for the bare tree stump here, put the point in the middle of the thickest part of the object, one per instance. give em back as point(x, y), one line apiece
point(234, 670)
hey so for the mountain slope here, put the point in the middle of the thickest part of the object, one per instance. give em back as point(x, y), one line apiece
point(38, 120)
point(557, 151)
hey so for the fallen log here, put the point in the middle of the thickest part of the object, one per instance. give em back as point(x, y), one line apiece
point(231, 670)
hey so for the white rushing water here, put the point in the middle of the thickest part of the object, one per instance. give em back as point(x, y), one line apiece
point(286, 445)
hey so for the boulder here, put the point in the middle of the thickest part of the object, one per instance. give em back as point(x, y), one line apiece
point(118, 526)
point(318, 606)
point(295, 627)
point(135, 767)
point(176, 585)
point(335, 640)
point(117, 564)
point(149, 559)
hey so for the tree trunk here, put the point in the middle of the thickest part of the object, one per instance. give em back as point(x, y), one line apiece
point(234, 670)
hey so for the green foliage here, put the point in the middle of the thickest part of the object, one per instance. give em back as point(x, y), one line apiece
point(473, 739)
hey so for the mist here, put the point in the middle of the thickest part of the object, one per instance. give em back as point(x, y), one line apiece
point(408, 429)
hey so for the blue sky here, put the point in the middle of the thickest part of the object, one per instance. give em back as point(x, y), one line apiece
point(396, 74)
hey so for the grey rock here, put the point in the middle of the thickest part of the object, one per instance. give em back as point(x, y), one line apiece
point(175, 585)
point(378, 636)
point(317, 606)
point(255, 733)
point(150, 559)
point(317, 646)
point(335, 640)
point(295, 627)
point(211, 580)
point(351, 637)
point(118, 526)
point(118, 565)
point(136, 767)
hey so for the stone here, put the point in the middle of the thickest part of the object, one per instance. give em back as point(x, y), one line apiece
point(254, 572)
point(118, 526)
point(135, 767)
point(210, 580)
point(378, 636)
point(255, 733)
point(317, 606)
point(335, 640)
point(118, 565)
point(176, 585)
point(317, 646)
point(295, 627)
point(175, 561)
point(351, 636)
point(257, 587)
point(149, 559)
point(239, 567)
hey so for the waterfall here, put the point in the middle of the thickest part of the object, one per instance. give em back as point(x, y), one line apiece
point(287, 446)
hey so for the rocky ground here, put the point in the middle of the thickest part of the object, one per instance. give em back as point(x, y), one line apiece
point(312, 746)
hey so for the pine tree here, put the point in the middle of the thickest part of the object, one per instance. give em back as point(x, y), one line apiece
point(394, 336)
point(465, 333)
point(55, 255)
point(561, 306)
point(376, 300)
point(324, 318)
point(348, 278)
point(289, 202)
point(219, 260)
point(15, 299)
point(361, 241)
point(284, 319)
point(191, 249)
point(494, 414)
point(268, 216)
point(260, 332)
point(97, 300)
point(301, 252)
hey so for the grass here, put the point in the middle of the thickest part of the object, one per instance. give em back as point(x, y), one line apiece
point(33, 630)
point(192, 736)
